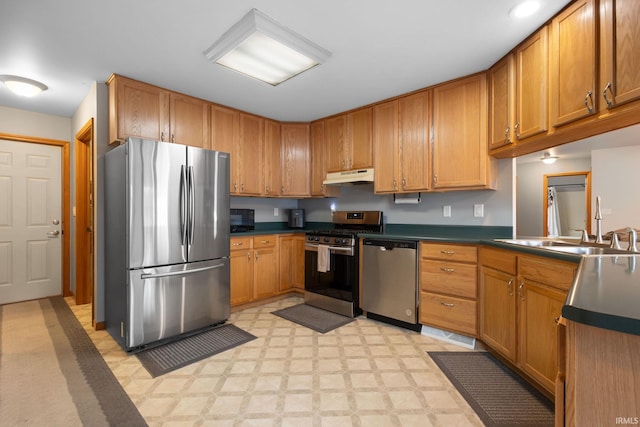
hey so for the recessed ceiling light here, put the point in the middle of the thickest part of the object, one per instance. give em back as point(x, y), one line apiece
point(548, 158)
point(22, 86)
point(524, 9)
point(261, 48)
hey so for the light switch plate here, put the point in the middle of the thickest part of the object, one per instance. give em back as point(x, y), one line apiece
point(276, 212)
point(478, 211)
point(446, 210)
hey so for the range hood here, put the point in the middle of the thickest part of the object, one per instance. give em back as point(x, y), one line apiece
point(355, 176)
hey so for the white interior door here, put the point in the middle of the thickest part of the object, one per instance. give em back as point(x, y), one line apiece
point(30, 221)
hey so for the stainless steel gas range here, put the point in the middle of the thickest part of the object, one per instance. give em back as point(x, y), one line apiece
point(332, 261)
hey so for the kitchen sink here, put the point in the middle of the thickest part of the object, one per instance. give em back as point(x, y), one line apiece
point(538, 242)
point(565, 246)
point(590, 250)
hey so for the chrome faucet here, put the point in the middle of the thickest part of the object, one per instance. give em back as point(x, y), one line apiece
point(633, 237)
point(598, 219)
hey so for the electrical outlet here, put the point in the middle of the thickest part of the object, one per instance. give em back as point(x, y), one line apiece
point(446, 210)
point(478, 211)
point(276, 211)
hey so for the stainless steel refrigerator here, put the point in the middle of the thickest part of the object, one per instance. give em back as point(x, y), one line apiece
point(167, 241)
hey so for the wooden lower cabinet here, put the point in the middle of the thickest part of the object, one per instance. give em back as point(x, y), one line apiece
point(254, 268)
point(448, 287)
point(291, 261)
point(265, 266)
point(521, 298)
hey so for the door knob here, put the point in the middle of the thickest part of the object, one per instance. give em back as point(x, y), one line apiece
point(53, 233)
point(55, 222)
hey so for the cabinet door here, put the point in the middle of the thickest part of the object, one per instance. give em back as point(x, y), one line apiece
point(272, 178)
point(317, 152)
point(266, 276)
point(189, 121)
point(335, 130)
point(502, 102)
point(295, 160)
point(359, 141)
point(386, 146)
point(620, 51)
point(415, 124)
point(138, 110)
point(224, 137)
point(251, 154)
point(460, 149)
point(539, 309)
point(497, 292)
point(532, 69)
point(298, 261)
point(241, 272)
point(573, 63)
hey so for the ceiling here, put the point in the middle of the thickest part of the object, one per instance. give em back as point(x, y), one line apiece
point(380, 49)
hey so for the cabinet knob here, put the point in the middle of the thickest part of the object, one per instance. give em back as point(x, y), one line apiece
point(588, 101)
point(607, 88)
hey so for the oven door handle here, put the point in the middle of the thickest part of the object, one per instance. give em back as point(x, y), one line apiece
point(346, 250)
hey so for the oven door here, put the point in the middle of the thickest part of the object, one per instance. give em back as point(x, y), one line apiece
point(341, 281)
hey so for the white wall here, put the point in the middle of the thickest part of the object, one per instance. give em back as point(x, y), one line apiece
point(498, 204)
point(27, 123)
point(615, 179)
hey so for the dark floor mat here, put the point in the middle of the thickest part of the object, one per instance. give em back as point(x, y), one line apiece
point(497, 394)
point(314, 318)
point(174, 355)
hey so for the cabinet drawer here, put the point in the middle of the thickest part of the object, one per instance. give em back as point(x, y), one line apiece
point(544, 270)
point(266, 241)
point(449, 252)
point(450, 313)
point(238, 243)
point(452, 278)
point(498, 259)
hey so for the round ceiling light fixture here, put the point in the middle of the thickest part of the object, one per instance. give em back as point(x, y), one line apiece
point(548, 158)
point(22, 86)
point(524, 9)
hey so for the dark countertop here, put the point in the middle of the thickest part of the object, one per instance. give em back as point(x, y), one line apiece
point(606, 293)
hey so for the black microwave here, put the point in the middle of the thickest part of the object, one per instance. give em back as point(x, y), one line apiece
point(242, 220)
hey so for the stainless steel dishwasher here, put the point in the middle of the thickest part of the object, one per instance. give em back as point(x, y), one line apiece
point(390, 281)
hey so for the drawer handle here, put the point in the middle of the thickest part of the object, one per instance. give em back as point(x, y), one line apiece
point(448, 252)
point(238, 244)
point(264, 242)
point(520, 294)
point(510, 287)
point(448, 304)
point(448, 269)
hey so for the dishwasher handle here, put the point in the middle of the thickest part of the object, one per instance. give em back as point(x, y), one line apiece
point(390, 244)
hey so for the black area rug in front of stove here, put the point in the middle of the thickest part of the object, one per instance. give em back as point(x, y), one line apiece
point(174, 355)
point(312, 317)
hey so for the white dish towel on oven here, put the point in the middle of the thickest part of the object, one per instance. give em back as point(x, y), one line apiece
point(324, 259)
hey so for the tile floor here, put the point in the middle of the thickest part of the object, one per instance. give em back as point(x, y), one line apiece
point(366, 373)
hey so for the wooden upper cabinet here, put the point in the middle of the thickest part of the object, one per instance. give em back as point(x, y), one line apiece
point(460, 149)
point(573, 63)
point(532, 71)
point(386, 144)
point(349, 141)
point(502, 82)
point(296, 172)
point(415, 126)
point(137, 109)
point(619, 52)
point(318, 163)
point(142, 110)
point(360, 139)
point(225, 129)
point(189, 120)
point(401, 144)
point(251, 154)
point(337, 151)
point(272, 137)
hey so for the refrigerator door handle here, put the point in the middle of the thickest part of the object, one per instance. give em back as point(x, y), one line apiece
point(180, 272)
point(192, 205)
point(183, 207)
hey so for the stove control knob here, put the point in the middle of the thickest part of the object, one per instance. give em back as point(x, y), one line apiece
point(344, 241)
point(326, 239)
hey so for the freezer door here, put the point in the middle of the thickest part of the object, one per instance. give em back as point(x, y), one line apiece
point(156, 202)
point(208, 183)
point(168, 301)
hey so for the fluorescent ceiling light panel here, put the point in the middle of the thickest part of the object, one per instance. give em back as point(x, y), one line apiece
point(261, 48)
point(22, 86)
